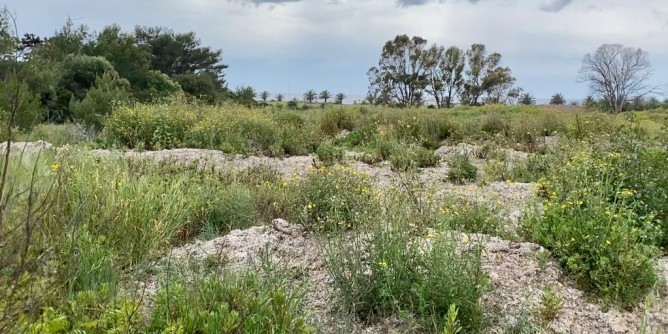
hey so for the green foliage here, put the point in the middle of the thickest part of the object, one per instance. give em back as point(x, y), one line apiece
point(461, 169)
point(332, 121)
point(232, 208)
point(557, 99)
point(329, 154)
point(24, 112)
point(109, 91)
point(471, 217)
point(527, 99)
point(245, 96)
point(180, 54)
point(335, 198)
point(551, 304)
point(92, 311)
point(596, 223)
point(310, 96)
point(325, 95)
point(204, 86)
point(228, 303)
point(79, 74)
point(156, 86)
point(403, 275)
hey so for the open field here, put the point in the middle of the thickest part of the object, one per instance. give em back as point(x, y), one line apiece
point(179, 218)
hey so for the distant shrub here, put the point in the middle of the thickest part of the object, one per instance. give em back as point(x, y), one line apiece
point(461, 169)
point(329, 154)
point(494, 124)
point(332, 121)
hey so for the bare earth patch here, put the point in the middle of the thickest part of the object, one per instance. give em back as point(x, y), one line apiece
point(516, 273)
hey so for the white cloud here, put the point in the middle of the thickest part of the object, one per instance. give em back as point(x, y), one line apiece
point(540, 40)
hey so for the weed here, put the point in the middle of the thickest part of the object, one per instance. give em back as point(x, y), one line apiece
point(550, 306)
point(461, 169)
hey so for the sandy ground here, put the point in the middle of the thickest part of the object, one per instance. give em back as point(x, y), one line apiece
point(516, 270)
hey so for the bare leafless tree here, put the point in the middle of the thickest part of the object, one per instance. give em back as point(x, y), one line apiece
point(617, 73)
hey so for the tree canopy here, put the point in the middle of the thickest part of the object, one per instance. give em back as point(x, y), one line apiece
point(408, 70)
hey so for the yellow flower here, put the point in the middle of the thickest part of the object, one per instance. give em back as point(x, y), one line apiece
point(382, 264)
point(310, 206)
point(607, 242)
point(432, 235)
point(563, 206)
point(624, 193)
point(55, 166)
point(580, 202)
point(465, 239)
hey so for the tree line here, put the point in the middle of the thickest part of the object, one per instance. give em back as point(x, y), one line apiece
point(76, 74)
point(409, 70)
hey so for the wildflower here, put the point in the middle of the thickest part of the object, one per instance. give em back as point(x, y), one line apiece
point(465, 239)
point(310, 206)
point(55, 166)
point(580, 202)
point(432, 235)
point(382, 264)
point(607, 242)
point(624, 193)
point(563, 206)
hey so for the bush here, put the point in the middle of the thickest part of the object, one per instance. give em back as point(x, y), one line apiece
point(601, 246)
point(332, 121)
point(231, 303)
point(231, 209)
point(400, 275)
point(461, 169)
point(471, 217)
point(335, 198)
point(599, 224)
point(329, 154)
point(109, 90)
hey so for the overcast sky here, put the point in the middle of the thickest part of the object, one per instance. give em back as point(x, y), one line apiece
point(291, 46)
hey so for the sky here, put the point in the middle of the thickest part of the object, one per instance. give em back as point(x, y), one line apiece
point(291, 46)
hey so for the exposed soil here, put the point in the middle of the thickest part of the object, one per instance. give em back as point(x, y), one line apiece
point(517, 272)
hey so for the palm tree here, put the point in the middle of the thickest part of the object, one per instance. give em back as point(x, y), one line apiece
point(264, 96)
point(279, 97)
point(527, 99)
point(557, 99)
point(339, 98)
point(310, 96)
point(325, 95)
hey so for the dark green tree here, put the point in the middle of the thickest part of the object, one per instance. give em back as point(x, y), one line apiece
point(181, 53)
point(338, 99)
point(109, 90)
point(244, 95)
point(264, 96)
point(445, 70)
point(557, 99)
point(310, 96)
point(484, 75)
point(400, 76)
point(527, 99)
point(79, 73)
point(325, 95)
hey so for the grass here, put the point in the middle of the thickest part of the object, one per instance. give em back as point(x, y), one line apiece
point(86, 225)
point(402, 270)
